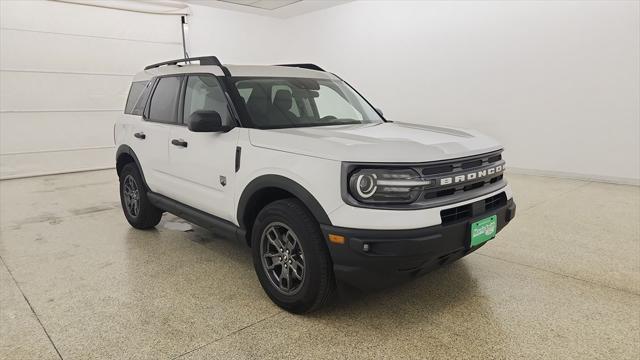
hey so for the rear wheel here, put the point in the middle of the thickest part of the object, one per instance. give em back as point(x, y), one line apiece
point(140, 213)
point(290, 257)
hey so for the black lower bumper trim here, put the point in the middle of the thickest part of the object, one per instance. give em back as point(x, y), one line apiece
point(372, 259)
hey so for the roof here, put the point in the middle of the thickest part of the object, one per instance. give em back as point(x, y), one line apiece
point(235, 70)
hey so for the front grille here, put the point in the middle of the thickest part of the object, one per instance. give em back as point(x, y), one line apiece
point(495, 179)
point(444, 167)
point(460, 166)
point(455, 214)
point(495, 158)
point(465, 212)
point(437, 170)
point(473, 186)
point(471, 164)
point(495, 201)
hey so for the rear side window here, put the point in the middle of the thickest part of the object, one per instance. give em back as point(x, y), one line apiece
point(164, 102)
point(138, 109)
point(135, 92)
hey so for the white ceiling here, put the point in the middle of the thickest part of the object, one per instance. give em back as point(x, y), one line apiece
point(276, 8)
point(263, 4)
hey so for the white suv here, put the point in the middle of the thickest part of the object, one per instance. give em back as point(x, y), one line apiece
point(295, 163)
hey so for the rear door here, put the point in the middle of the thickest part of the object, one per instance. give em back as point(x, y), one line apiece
point(160, 116)
point(203, 164)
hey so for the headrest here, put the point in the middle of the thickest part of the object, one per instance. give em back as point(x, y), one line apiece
point(283, 99)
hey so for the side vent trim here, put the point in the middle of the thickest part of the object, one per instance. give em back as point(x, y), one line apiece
point(238, 155)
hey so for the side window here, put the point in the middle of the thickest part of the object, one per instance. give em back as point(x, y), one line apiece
point(203, 93)
point(164, 102)
point(134, 95)
point(138, 109)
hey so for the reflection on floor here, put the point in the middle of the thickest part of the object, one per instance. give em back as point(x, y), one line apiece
point(562, 281)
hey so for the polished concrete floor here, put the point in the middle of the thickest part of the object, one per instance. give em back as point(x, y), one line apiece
point(76, 282)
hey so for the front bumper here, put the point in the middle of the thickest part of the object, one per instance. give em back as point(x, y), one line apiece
point(371, 259)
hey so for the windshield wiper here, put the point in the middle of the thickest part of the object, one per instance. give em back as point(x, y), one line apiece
point(332, 123)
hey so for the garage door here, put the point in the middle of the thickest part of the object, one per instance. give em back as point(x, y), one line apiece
point(63, 83)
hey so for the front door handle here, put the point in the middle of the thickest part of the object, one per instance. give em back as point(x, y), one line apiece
point(179, 142)
point(140, 135)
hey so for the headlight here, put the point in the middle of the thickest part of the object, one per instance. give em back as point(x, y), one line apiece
point(386, 186)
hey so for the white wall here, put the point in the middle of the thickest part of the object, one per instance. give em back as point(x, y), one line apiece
point(65, 71)
point(236, 37)
point(557, 82)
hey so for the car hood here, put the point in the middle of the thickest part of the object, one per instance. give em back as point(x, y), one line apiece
point(385, 142)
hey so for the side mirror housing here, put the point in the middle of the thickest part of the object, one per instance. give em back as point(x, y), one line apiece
point(379, 111)
point(206, 121)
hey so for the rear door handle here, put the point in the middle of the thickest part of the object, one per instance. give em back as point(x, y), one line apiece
point(179, 142)
point(140, 135)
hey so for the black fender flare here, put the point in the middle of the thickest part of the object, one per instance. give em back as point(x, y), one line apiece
point(286, 184)
point(125, 149)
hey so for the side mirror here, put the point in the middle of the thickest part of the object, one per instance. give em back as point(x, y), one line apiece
point(379, 111)
point(206, 121)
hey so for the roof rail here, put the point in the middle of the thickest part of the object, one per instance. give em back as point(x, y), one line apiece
point(304, 66)
point(204, 60)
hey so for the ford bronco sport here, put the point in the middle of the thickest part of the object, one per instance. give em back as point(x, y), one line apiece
point(294, 162)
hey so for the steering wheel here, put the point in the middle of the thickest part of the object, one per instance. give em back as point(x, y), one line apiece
point(328, 118)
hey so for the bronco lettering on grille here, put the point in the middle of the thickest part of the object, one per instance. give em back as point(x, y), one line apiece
point(472, 175)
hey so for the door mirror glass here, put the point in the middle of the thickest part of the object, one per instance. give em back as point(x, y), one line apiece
point(206, 121)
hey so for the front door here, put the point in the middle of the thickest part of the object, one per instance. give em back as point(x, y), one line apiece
point(203, 164)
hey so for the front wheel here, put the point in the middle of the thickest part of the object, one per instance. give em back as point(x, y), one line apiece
point(290, 257)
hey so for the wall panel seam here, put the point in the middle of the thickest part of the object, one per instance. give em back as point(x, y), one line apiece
point(57, 150)
point(55, 172)
point(60, 111)
point(64, 72)
point(92, 36)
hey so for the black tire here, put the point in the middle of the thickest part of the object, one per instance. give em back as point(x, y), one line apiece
point(144, 215)
point(317, 285)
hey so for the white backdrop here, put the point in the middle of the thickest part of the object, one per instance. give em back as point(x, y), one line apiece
point(557, 82)
point(65, 70)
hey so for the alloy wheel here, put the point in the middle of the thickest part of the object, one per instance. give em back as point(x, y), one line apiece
point(282, 258)
point(131, 194)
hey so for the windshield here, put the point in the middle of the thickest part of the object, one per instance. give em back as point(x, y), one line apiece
point(301, 102)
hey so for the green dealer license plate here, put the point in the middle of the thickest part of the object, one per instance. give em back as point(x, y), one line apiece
point(484, 230)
